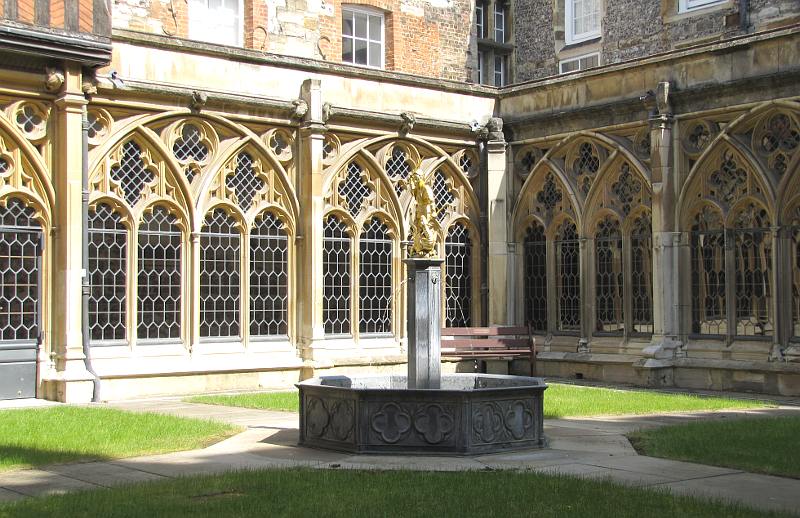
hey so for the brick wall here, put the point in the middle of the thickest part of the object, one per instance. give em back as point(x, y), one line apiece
point(424, 37)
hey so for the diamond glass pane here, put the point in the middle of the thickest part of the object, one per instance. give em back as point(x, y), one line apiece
point(336, 277)
point(354, 189)
point(108, 273)
point(269, 278)
point(159, 277)
point(466, 164)
point(568, 280)
point(458, 279)
point(4, 166)
point(398, 167)
point(608, 284)
point(375, 279)
point(20, 235)
point(753, 272)
point(190, 145)
point(244, 182)
point(131, 173)
point(220, 281)
point(441, 193)
point(795, 252)
point(28, 119)
point(642, 276)
point(708, 277)
point(95, 125)
point(536, 278)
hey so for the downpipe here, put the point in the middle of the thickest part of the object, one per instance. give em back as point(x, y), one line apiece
point(85, 284)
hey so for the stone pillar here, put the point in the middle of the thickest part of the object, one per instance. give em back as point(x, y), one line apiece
point(587, 296)
point(781, 305)
point(71, 382)
point(498, 274)
point(424, 323)
point(309, 238)
point(666, 241)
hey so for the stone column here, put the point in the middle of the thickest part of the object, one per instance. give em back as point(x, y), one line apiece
point(781, 304)
point(71, 382)
point(498, 274)
point(666, 241)
point(309, 238)
point(424, 323)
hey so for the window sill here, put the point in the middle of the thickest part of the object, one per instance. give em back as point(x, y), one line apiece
point(502, 48)
point(580, 44)
point(697, 11)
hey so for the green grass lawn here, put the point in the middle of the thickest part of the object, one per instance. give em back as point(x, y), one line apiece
point(559, 401)
point(36, 437)
point(346, 493)
point(762, 445)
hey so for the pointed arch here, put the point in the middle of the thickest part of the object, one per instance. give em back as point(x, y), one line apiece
point(560, 194)
point(619, 187)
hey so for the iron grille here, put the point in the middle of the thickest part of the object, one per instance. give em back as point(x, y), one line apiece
point(354, 189)
point(753, 272)
point(131, 173)
point(269, 278)
point(398, 167)
point(568, 279)
point(159, 277)
point(458, 282)
point(336, 277)
point(609, 283)
point(375, 279)
point(108, 271)
point(708, 276)
point(796, 283)
point(244, 182)
point(220, 281)
point(642, 275)
point(441, 193)
point(20, 237)
point(536, 278)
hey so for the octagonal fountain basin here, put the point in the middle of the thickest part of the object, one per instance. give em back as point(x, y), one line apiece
point(470, 414)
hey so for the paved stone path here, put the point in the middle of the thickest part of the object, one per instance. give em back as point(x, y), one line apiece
point(590, 447)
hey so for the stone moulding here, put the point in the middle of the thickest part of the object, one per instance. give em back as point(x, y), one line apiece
point(470, 414)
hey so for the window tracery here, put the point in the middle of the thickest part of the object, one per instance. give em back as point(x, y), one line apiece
point(753, 270)
point(244, 182)
point(131, 173)
point(777, 139)
point(707, 242)
point(354, 189)
point(536, 277)
point(375, 278)
point(108, 261)
point(568, 281)
point(269, 277)
point(336, 277)
point(458, 281)
point(585, 166)
point(609, 278)
point(220, 273)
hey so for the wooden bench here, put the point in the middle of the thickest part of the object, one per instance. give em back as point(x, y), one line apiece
point(489, 343)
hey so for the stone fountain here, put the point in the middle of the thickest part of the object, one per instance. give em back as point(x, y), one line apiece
point(424, 412)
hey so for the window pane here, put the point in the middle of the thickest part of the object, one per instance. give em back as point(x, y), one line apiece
point(374, 54)
point(347, 23)
point(375, 28)
point(360, 52)
point(347, 50)
point(361, 25)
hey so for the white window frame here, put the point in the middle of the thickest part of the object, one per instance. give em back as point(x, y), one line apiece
point(693, 5)
point(199, 29)
point(569, 23)
point(481, 57)
point(503, 69)
point(368, 12)
point(578, 60)
point(480, 19)
point(499, 29)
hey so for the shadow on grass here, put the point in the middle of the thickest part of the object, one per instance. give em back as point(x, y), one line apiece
point(16, 457)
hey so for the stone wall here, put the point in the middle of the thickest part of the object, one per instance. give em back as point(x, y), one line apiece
point(633, 29)
point(424, 37)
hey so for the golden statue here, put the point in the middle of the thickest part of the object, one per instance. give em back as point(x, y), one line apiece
point(426, 228)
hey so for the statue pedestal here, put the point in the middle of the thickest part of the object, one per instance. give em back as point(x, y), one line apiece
point(424, 323)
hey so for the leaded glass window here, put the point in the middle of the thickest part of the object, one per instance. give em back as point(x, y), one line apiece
point(354, 189)
point(20, 238)
point(536, 278)
point(220, 249)
point(609, 317)
point(336, 277)
point(190, 146)
point(108, 273)
point(159, 276)
point(398, 167)
point(269, 277)
point(131, 173)
point(795, 269)
point(244, 182)
point(442, 195)
point(458, 282)
point(642, 275)
point(375, 279)
point(753, 271)
point(707, 239)
point(568, 280)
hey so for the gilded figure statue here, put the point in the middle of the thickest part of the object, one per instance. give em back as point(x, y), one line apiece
point(425, 229)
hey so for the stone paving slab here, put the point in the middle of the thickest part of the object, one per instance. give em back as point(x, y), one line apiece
point(10, 496)
point(35, 482)
point(762, 491)
point(103, 474)
point(669, 469)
